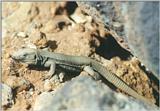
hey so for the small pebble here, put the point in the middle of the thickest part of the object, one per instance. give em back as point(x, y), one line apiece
point(47, 85)
point(22, 35)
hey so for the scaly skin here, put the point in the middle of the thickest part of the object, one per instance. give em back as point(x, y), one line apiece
point(50, 59)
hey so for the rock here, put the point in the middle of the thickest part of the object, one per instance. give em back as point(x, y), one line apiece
point(47, 85)
point(39, 39)
point(18, 16)
point(57, 24)
point(52, 83)
point(117, 26)
point(83, 93)
point(78, 17)
point(4, 32)
point(42, 100)
point(79, 27)
point(22, 35)
point(7, 96)
point(142, 30)
point(18, 84)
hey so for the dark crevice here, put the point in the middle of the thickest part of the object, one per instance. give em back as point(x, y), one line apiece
point(156, 96)
point(110, 48)
point(150, 75)
point(38, 68)
point(70, 75)
point(155, 81)
point(71, 6)
point(52, 44)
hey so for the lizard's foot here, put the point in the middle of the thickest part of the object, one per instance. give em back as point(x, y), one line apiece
point(61, 76)
point(92, 73)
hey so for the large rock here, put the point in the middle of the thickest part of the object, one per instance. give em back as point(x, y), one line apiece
point(84, 94)
point(142, 30)
point(42, 101)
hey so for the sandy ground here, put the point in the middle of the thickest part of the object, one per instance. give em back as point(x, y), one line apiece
point(59, 28)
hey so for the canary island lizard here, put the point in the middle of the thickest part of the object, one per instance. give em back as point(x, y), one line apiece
point(52, 60)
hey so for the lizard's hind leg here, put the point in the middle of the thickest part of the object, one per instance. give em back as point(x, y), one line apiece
point(92, 73)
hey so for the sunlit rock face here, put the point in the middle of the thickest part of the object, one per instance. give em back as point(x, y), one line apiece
point(137, 23)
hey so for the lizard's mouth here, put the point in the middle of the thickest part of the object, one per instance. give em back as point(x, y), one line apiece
point(28, 61)
point(25, 61)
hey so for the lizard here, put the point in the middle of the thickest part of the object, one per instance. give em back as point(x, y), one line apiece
point(52, 60)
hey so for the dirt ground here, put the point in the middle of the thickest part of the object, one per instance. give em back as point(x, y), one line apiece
point(62, 27)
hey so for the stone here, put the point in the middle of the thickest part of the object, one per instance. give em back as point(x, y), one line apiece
point(83, 93)
point(18, 84)
point(22, 35)
point(47, 85)
point(43, 100)
point(7, 96)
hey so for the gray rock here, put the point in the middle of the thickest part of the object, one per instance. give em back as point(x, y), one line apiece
point(7, 96)
point(43, 100)
point(84, 94)
point(142, 30)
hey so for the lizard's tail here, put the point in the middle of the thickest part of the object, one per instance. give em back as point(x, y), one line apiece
point(118, 82)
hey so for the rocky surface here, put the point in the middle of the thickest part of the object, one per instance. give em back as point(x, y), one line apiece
point(83, 93)
point(64, 28)
point(7, 96)
point(18, 84)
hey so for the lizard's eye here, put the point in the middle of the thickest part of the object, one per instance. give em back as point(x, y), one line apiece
point(24, 55)
point(21, 56)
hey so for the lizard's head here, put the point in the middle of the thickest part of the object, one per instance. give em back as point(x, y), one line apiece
point(25, 55)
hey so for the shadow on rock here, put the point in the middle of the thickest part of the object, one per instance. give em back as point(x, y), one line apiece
point(110, 48)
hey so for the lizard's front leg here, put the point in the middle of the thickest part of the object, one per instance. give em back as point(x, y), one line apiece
point(52, 65)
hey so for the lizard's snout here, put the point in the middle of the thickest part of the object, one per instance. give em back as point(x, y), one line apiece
point(13, 57)
point(24, 55)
